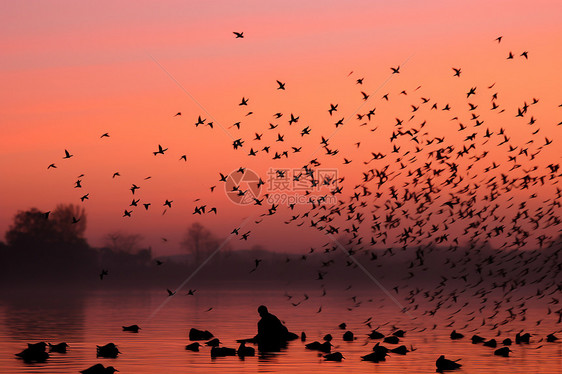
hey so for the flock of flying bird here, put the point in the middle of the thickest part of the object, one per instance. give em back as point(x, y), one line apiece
point(428, 196)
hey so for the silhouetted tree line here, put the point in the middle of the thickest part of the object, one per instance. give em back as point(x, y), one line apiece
point(45, 249)
point(49, 248)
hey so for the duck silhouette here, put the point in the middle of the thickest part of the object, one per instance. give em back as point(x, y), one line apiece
point(41, 346)
point(34, 353)
point(109, 350)
point(401, 350)
point(444, 364)
point(491, 343)
point(222, 352)
point(507, 341)
point(379, 354)
point(99, 369)
point(195, 334)
point(325, 347)
point(391, 340)
point(519, 339)
point(399, 333)
point(193, 347)
point(455, 335)
point(477, 339)
point(59, 348)
point(132, 328)
point(376, 335)
point(336, 356)
point(551, 338)
point(244, 351)
point(504, 352)
point(213, 343)
point(348, 336)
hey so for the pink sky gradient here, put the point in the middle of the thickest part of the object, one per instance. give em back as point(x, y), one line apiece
point(71, 71)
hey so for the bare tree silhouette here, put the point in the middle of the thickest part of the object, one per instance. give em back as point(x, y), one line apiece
point(199, 242)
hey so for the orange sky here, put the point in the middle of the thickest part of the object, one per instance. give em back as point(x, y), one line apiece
point(73, 71)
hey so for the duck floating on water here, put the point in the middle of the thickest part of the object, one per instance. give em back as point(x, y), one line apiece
point(401, 350)
point(336, 356)
point(379, 354)
point(325, 347)
point(477, 339)
point(132, 328)
point(59, 348)
point(504, 352)
point(193, 347)
point(34, 353)
point(244, 351)
point(376, 335)
point(222, 352)
point(391, 340)
point(99, 369)
point(491, 343)
point(195, 334)
point(109, 350)
point(213, 343)
point(455, 335)
point(525, 338)
point(444, 364)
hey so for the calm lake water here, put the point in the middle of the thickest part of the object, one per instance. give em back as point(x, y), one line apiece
point(85, 320)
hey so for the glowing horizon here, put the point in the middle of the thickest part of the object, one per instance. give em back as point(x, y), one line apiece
point(73, 74)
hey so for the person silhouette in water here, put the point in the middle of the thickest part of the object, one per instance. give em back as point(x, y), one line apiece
point(272, 334)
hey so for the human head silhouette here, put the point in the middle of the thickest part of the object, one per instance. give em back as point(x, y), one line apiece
point(262, 310)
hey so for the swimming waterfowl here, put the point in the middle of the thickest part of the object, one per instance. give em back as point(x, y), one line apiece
point(522, 338)
point(477, 339)
point(213, 343)
point(34, 353)
point(244, 351)
point(325, 347)
point(336, 356)
point(348, 336)
point(391, 340)
point(376, 335)
point(60, 348)
point(401, 350)
point(491, 343)
point(222, 352)
point(551, 338)
point(99, 369)
point(379, 354)
point(444, 364)
point(195, 334)
point(193, 347)
point(109, 350)
point(504, 352)
point(399, 333)
point(132, 328)
point(455, 335)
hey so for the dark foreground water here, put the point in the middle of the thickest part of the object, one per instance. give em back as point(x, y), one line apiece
point(85, 320)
